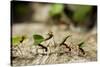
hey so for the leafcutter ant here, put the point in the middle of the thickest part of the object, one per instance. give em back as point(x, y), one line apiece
point(80, 48)
point(63, 43)
point(22, 39)
point(43, 47)
point(50, 36)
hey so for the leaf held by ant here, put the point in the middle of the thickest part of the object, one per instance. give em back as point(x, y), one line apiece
point(38, 39)
point(81, 45)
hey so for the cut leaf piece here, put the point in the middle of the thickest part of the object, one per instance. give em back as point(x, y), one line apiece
point(38, 39)
point(81, 45)
point(56, 9)
point(81, 13)
point(16, 40)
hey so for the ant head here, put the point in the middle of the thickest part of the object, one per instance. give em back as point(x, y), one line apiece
point(50, 32)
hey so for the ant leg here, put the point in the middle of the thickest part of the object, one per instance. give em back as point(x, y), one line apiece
point(55, 44)
point(80, 48)
point(64, 40)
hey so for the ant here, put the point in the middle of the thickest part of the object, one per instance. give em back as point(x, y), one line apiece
point(80, 48)
point(63, 43)
point(50, 36)
point(22, 39)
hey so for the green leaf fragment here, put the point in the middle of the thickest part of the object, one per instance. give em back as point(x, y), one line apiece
point(38, 39)
point(56, 9)
point(16, 40)
point(81, 12)
point(81, 45)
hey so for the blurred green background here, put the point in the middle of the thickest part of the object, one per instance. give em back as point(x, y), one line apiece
point(84, 16)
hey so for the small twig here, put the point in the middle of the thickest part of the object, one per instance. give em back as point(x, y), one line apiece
point(60, 53)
